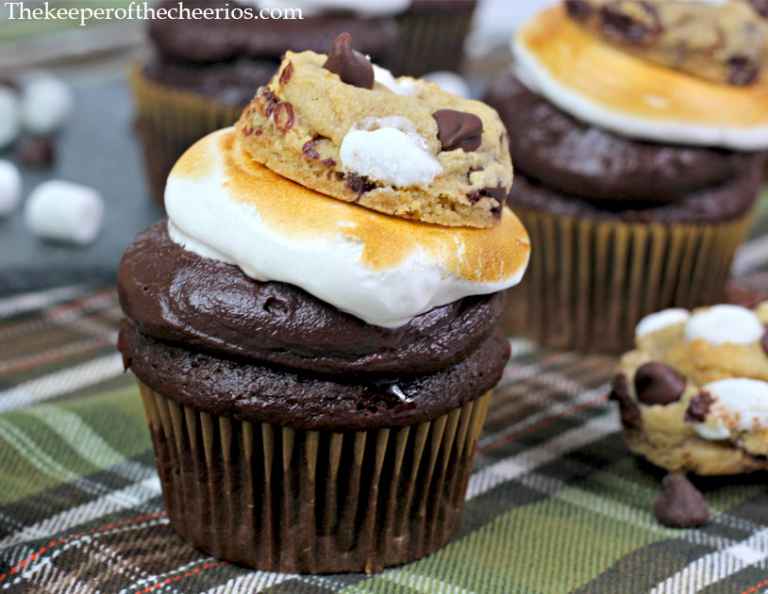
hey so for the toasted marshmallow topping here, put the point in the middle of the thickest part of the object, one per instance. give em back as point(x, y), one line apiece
point(381, 269)
point(725, 324)
point(739, 405)
point(660, 320)
point(606, 87)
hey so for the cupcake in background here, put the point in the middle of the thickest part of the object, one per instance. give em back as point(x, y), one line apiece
point(203, 72)
point(432, 36)
point(316, 367)
point(638, 150)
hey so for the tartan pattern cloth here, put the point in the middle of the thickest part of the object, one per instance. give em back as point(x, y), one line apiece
point(555, 505)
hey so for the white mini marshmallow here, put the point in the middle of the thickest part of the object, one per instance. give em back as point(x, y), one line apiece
point(10, 187)
point(725, 324)
point(450, 82)
point(660, 320)
point(394, 153)
point(405, 86)
point(9, 116)
point(740, 404)
point(46, 104)
point(64, 211)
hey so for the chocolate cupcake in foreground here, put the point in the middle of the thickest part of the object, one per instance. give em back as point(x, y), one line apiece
point(203, 71)
point(315, 373)
point(637, 167)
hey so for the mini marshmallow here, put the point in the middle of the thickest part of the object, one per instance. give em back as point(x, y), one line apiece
point(660, 320)
point(390, 155)
point(9, 116)
point(10, 188)
point(384, 77)
point(740, 404)
point(725, 324)
point(450, 82)
point(47, 102)
point(64, 211)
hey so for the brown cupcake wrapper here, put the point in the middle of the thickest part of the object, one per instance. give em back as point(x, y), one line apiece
point(169, 121)
point(280, 499)
point(590, 281)
point(431, 42)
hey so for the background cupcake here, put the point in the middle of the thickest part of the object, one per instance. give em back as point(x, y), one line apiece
point(203, 72)
point(635, 177)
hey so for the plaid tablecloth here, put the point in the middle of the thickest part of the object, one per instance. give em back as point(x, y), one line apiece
point(555, 505)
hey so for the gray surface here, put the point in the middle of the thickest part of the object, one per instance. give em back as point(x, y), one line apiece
point(97, 148)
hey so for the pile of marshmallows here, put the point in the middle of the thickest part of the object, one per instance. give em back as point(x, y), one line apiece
point(56, 210)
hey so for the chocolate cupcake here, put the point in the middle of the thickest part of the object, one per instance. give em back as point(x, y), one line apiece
point(203, 72)
point(432, 36)
point(315, 373)
point(637, 171)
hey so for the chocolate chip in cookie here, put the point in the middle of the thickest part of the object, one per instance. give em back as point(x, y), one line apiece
point(458, 130)
point(742, 71)
point(656, 383)
point(680, 504)
point(764, 342)
point(698, 409)
point(630, 412)
point(352, 67)
point(578, 9)
point(635, 22)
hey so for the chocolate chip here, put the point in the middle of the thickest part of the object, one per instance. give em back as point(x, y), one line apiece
point(498, 193)
point(630, 412)
point(286, 74)
point(359, 184)
point(37, 151)
point(269, 102)
point(352, 67)
point(680, 504)
point(10, 83)
point(761, 6)
point(283, 116)
point(656, 383)
point(578, 9)
point(699, 407)
point(309, 150)
point(620, 25)
point(742, 71)
point(458, 130)
point(764, 342)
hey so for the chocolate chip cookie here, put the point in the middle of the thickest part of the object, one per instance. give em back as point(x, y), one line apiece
point(341, 125)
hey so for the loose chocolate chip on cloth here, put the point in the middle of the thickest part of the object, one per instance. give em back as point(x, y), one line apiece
point(680, 504)
point(721, 42)
point(572, 480)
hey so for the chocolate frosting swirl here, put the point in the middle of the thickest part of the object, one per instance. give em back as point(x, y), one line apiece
point(177, 296)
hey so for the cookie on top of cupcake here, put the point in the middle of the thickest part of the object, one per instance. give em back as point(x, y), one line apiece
point(316, 372)
point(638, 166)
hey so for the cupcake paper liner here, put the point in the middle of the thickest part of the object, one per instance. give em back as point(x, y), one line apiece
point(281, 499)
point(590, 282)
point(169, 121)
point(431, 42)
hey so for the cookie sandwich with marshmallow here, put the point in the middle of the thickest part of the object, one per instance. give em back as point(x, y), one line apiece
point(639, 134)
point(315, 369)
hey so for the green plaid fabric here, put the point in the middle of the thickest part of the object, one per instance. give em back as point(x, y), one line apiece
point(555, 505)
